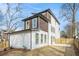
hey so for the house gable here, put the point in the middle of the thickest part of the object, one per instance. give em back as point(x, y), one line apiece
point(45, 17)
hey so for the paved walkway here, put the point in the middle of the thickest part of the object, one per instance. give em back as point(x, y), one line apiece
point(44, 51)
point(69, 51)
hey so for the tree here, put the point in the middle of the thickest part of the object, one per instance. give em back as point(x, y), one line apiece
point(63, 34)
point(11, 17)
point(69, 12)
point(77, 28)
point(68, 29)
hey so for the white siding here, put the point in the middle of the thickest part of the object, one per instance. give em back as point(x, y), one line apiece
point(57, 31)
point(20, 40)
point(55, 24)
point(50, 34)
point(34, 45)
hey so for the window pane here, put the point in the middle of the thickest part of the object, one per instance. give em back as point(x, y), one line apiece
point(37, 38)
point(45, 38)
point(51, 39)
point(34, 23)
point(27, 24)
point(41, 38)
point(53, 29)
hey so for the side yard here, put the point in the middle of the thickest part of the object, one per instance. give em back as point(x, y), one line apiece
point(44, 51)
point(52, 50)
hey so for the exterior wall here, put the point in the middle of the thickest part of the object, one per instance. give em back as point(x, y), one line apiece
point(20, 40)
point(56, 26)
point(34, 45)
point(43, 25)
point(57, 31)
point(51, 35)
point(47, 15)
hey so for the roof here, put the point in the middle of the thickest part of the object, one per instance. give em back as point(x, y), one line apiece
point(40, 13)
point(27, 30)
point(23, 31)
point(34, 16)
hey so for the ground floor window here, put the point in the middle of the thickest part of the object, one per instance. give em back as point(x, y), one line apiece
point(51, 39)
point(45, 38)
point(41, 38)
point(37, 38)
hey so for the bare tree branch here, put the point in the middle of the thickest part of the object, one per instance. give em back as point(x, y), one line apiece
point(68, 12)
point(12, 17)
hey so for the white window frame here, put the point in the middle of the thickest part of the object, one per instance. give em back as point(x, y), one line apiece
point(27, 24)
point(34, 23)
point(41, 38)
point(37, 38)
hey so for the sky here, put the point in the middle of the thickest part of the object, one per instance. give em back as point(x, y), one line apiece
point(29, 8)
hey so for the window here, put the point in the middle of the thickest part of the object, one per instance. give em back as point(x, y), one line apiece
point(34, 23)
point(41, 38)
point(53, 29)
point(51, 40)
point(27, 24)
point(59, 28)
point(37, 38)
point(45, 38)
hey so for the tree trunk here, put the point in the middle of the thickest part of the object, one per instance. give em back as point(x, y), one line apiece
point(73, 20)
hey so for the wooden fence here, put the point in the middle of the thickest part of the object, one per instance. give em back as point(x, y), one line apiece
point(64, 41)
point(4, 44)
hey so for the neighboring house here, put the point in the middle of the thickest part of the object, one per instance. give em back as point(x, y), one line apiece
point(40, 30)
point(3, 35)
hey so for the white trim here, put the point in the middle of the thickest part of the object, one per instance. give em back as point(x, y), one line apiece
point(65, 45)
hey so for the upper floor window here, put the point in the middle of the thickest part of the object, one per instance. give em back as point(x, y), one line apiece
point(27, 24)
point(34, 23)
point(53, 29)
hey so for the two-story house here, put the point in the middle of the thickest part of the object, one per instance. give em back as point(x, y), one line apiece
point(40, 30)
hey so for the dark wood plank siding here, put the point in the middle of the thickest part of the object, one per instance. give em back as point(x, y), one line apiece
point(43, 25)
point(30, 24)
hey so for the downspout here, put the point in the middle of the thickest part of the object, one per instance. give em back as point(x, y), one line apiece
point(48, 34)
point(8, 40)
point(31, 39)
point(31, 34)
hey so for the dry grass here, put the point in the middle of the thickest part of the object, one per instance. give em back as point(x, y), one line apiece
point(43, 51)
point(46, 51)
